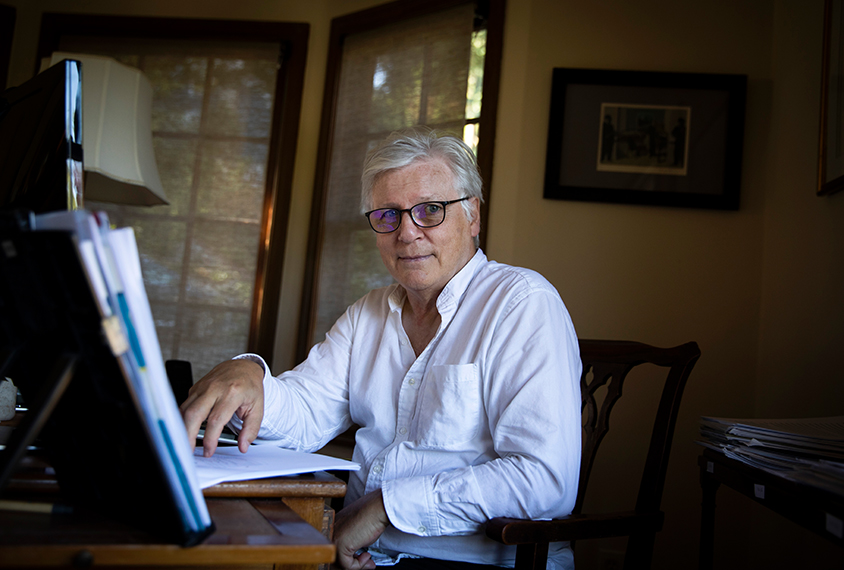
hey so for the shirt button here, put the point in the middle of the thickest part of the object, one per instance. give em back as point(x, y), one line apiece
point(403, 430)
point(412, 381)
point(377, 469)
point(421, 529)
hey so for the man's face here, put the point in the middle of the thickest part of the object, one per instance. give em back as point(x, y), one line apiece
point(423, 260)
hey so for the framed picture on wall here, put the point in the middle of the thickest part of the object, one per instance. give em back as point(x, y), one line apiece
point(637, 137)
point(831, 147)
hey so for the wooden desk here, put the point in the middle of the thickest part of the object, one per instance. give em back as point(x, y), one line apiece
point(820, 511)
point(258, 532)
point(278, 520)
point(304, 494)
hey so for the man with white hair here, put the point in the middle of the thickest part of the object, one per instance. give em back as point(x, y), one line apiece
point(463, 377)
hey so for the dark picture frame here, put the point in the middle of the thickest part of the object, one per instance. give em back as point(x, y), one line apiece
point(641, 137)
point(831, 145)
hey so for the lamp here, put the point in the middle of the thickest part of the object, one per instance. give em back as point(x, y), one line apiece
point(118, 157)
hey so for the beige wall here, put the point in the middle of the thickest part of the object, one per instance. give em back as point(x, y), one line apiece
point(759, 289)
point(801, 326)
point(658, 275)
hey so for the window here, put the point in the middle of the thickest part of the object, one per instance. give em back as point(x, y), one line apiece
point(390, 68)
point(219, 142)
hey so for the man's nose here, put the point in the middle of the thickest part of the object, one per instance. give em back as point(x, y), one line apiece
point(408, 229)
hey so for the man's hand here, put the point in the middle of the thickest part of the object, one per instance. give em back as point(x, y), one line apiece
point(233, 386)
point(359, 525)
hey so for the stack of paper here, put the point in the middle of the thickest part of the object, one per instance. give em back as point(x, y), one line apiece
point(805, 450)
point(229, 464)
point(112, 265)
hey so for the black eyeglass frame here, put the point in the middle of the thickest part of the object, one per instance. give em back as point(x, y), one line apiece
point(442, 203)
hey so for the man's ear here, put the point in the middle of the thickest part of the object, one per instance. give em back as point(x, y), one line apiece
point(475, 217)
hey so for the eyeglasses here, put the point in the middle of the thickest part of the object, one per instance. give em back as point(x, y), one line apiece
point(424, 215)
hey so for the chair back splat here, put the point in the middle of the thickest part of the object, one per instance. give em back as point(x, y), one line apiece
point(606, 363)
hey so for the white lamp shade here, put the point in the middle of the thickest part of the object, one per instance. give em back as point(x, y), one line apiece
point(118, 157)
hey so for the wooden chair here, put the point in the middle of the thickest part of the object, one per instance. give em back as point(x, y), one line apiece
point(609, 363)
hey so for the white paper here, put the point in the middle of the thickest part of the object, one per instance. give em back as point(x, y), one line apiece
point(167, 426)
point(111, 260)
point(830, 429)
point(809, 451)
point(260, 461)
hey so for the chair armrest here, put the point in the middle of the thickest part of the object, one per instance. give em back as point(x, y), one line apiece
point(572, 527)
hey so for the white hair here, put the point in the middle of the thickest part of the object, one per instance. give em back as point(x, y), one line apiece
point(404, 147)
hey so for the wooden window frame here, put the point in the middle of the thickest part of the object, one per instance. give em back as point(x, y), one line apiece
point(8, 15)
point(283, 136)
point(363, 21)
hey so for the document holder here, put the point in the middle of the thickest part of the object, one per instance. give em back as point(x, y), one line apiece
point(83, 410)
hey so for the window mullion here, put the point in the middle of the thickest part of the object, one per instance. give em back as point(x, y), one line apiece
point(192, 215)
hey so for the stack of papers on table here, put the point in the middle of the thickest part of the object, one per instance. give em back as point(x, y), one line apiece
point(229, 464)
point(112, 266)
point(804, 450)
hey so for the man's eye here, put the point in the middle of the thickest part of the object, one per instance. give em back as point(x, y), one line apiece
point(432, 209)
point(389, 214)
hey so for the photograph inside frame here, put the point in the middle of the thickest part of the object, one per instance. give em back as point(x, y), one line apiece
point(648, 139)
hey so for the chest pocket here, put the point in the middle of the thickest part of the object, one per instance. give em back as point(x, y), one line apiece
point(451, 406)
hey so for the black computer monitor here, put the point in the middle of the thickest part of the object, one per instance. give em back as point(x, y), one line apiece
point(40, 141)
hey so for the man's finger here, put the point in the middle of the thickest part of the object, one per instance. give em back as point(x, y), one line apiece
point(217, 420)
point(209, 442)
point(364, 560)
point(251, 426)
point(354, 561)
point(193, 419)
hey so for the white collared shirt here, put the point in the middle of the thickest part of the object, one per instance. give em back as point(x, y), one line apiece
point(484, 423)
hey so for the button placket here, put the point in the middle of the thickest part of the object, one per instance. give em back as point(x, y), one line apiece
point(408, 396)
